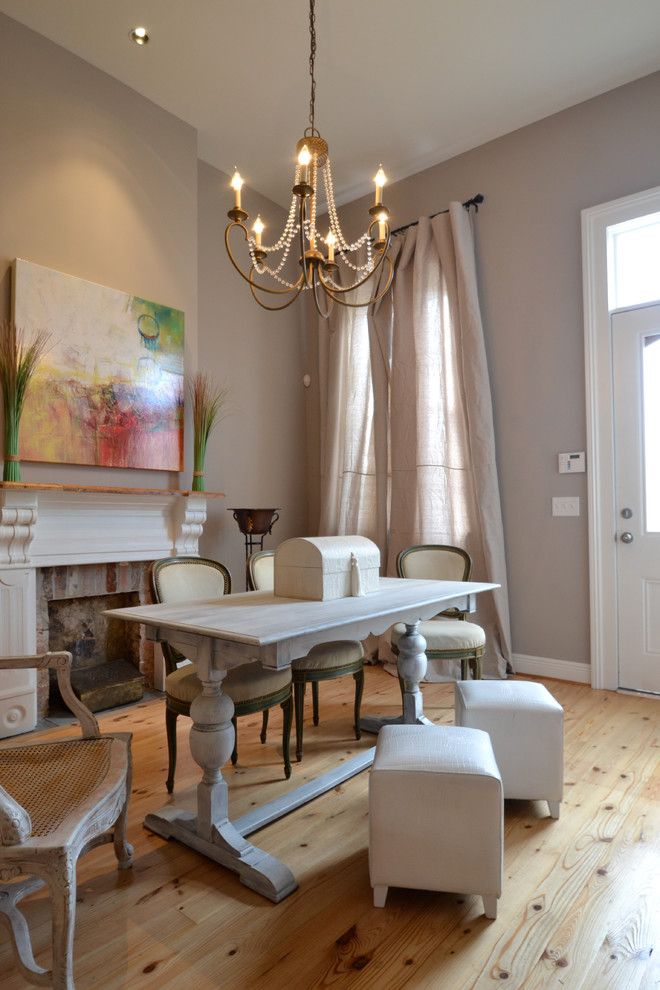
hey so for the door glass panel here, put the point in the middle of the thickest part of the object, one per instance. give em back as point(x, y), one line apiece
point(651, 380)
point(633, 249)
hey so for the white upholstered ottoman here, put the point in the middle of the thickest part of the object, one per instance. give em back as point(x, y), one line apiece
point(526, 727)
point(435, 813)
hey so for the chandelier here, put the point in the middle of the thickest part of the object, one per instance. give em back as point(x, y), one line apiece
point(330, 267)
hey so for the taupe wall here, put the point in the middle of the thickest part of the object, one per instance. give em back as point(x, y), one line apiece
point(256, 456)
point(536, 181)
point(98, 182)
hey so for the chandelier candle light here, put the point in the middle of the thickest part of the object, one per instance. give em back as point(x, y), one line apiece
point(320, 271)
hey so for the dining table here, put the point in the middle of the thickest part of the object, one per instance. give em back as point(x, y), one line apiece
point(218, 634)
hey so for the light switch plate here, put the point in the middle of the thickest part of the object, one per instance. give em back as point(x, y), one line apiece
point(566, 505)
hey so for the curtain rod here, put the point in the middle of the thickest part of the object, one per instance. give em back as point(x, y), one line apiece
point(475, 202)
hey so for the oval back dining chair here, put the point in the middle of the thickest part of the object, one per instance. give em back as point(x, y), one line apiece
point(448, 636)
point(58, 799)
point(323, 662)
point(250, 686)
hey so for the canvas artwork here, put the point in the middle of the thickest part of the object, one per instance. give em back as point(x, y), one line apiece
point(110, 389)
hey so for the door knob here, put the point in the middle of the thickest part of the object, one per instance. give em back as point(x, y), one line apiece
point(627, 537)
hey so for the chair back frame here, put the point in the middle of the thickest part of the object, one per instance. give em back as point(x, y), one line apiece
point(253, 565)
point(445, 547)
point(171, 656)
point(462, 555)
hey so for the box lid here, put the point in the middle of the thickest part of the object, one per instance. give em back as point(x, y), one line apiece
point(330, 554)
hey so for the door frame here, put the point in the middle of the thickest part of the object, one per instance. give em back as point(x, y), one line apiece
point(602, 521)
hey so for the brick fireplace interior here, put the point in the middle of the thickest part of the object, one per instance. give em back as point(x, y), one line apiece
point(111, 659)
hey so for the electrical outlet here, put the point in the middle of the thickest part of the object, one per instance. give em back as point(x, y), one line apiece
point(566, 505)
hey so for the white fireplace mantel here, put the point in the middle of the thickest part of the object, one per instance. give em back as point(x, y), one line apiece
point(52, 526)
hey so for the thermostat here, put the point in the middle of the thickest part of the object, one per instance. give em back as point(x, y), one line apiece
point(572, 463)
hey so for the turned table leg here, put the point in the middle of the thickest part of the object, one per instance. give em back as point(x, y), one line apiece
point(211, 832)
point(412, 665)
point(212, 738)
point(412, 668)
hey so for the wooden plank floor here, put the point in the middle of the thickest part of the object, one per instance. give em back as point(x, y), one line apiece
point(580, 907)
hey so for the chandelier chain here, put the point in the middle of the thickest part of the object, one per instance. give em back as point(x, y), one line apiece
point(312, 57)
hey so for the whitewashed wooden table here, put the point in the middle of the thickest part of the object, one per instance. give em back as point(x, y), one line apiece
point(220, 634)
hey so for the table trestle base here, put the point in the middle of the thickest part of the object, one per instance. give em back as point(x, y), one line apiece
point(279, 807)
point(257, 869)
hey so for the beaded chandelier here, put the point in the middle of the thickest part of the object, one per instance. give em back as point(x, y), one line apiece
point(319, 256)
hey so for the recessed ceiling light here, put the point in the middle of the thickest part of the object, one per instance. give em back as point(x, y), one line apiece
point(140, 35)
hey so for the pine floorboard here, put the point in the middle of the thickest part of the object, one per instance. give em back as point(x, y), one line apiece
point(580, 907)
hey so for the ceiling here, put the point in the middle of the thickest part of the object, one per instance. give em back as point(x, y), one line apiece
point(407, 84)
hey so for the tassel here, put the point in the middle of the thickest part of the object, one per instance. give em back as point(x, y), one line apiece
point(356, 578)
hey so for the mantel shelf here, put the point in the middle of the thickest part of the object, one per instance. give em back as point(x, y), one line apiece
point(101, 489)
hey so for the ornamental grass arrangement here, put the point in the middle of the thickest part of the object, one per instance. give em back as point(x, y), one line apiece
point(18, 363)
point(208, 401)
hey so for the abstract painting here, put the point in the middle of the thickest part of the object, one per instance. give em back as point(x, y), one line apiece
point(110, 389)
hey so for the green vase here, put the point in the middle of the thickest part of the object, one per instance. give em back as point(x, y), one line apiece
point(12, 466)
point(198, 480)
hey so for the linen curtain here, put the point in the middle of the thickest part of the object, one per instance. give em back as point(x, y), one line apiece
point(407, 449)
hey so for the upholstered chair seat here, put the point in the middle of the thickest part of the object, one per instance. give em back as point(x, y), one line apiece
point(251, 687)
point(448, 636)
point(246, 683)
point(330, 656)
point(323, 662)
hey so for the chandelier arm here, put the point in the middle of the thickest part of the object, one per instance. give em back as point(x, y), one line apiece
point(368, 302)
point(323, 315)
point(356, 285)
point(248, 277)
point(272, 309)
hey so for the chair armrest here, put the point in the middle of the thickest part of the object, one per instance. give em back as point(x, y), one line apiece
point(15, 824)
point(61, 663)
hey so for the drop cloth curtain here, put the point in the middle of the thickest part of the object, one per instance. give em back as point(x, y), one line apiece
point(407, 449)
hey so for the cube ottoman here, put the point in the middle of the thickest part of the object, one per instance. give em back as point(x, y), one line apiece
point(435, 813)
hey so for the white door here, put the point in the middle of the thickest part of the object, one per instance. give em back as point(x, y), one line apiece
point(636, 374)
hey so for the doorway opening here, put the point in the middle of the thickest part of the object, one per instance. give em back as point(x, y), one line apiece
point(621, 278)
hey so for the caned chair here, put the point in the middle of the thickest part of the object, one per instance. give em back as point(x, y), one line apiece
point(448, 636)
point(323, 662)
point(250, 686)
point(57, 800)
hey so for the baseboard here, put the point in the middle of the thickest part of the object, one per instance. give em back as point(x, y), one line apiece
point(563, 670)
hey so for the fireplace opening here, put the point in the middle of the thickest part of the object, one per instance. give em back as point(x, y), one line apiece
point(106, 652)
point(111, 659)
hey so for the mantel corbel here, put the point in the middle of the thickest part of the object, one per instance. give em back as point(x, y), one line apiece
point(189, 519)
point(18, 519)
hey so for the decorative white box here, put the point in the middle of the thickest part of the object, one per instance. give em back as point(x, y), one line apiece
point(321, 568)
